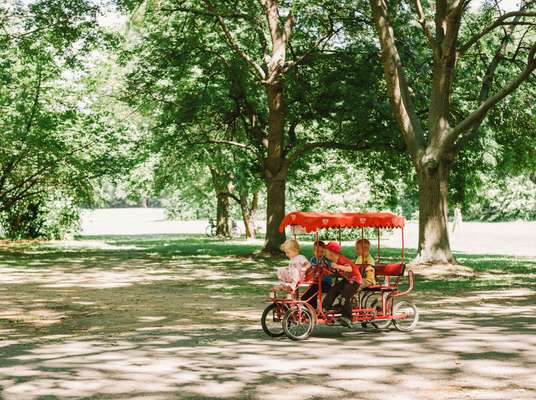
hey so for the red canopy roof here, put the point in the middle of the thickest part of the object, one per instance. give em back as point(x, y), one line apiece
point(312, 221)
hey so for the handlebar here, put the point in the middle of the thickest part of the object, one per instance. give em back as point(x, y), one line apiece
point(411, 281)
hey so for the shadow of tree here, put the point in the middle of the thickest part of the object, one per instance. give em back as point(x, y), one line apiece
point(141, 322)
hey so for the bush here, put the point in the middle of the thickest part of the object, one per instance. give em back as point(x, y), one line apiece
point(47, 217)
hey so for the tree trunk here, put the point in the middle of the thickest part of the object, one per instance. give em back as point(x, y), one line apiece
point(275, 212)
point(221, 183)
point(434, 246)
point(275, 173)
point(222, 215)
point(248, 214)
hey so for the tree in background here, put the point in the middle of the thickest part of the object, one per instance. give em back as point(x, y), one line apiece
point(221, 170)
point(54, 141)
point(454, 116)
point(267, 64)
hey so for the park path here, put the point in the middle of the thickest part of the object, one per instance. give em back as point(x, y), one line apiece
point(116, 324)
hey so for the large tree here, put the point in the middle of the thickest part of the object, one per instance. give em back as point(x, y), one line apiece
point(55, 140)
point(435, 136)
point(275, 63)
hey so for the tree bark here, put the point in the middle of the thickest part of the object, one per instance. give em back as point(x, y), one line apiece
point(222, 215)
point(248, 214)
point(221, 182)
point(434, 246)
point(275, 172)
point(275, 212)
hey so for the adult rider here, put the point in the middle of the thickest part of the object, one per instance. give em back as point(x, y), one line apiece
point(347, 287)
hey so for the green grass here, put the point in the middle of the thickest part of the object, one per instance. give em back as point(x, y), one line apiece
point(237, 257)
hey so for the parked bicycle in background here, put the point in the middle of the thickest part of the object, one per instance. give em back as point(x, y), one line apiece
point(212, 229)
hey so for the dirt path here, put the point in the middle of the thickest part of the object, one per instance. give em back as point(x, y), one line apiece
point(117, 324)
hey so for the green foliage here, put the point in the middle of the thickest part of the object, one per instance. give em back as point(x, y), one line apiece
point(504, 199)
point(49, 216)
point(55, 136)
point(62, 130)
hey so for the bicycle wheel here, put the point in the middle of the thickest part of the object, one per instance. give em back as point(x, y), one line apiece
point(272, 319)
point(298, 323)
point(408, 316)
point(374, 300)
point(236, 232)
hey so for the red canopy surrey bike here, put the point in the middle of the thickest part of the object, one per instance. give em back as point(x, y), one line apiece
point(296, 318)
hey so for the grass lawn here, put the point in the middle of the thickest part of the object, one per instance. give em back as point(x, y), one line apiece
point(177, 316)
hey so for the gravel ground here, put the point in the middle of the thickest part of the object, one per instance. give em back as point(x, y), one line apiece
point(117, 322)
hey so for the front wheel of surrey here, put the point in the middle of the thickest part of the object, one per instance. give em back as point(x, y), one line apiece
point(374, 301)
point(235, 232)
point(272, 319)
point(298, 323)
point(406, 316)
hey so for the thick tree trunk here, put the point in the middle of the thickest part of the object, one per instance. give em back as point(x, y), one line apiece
point(222, 215)
point(434, 246)
point(275, 211)
point(275, 172)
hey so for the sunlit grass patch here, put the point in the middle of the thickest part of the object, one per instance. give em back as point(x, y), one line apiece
point(203, 262)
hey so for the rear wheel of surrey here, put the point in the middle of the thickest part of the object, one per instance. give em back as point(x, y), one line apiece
point(298, 323)
point(272, 319)
point(408, 316)
point(374, 300)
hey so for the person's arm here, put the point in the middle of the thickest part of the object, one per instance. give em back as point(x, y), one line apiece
point(344, 268)
point(370, 273)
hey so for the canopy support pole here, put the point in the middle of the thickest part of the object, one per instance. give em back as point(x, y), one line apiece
point(402, 245)
point(378, 233)
point(339, 235)
point(362, 247)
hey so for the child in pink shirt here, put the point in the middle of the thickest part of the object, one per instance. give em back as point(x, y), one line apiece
point(289, 277)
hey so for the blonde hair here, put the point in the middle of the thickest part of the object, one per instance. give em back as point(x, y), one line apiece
point(364, 242)
point(291, 244)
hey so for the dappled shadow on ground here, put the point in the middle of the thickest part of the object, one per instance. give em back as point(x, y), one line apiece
point(127, 323)
point(447, 358)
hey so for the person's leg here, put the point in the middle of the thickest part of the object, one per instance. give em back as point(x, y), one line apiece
point(326, 287)
point(333, 292)
point(312, 291)
point(348, 291)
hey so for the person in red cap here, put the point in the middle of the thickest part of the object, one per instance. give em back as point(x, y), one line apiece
point(347, 286)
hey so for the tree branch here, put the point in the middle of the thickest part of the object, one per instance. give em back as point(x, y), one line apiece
point(320, 43)
point(222, 142)
point(498, 22)
point(481, 111)
point(333, 145)
point(234, 44)
point(206, 13)
point(232, 196)
point(397, 86)
point(487, 82)
point(424, 24)
point(225, 142)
